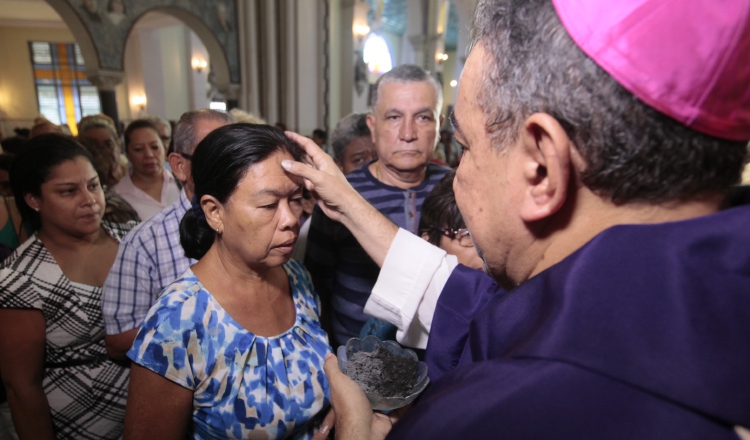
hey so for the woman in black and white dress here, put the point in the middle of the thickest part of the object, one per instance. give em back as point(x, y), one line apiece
point(60, 382)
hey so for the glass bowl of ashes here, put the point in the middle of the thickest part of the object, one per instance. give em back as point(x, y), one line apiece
point(390, 376)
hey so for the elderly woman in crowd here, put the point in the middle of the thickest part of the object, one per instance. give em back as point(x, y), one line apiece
point(234, 348)
point(148, 187)
point(43, 126)
point(352, 144)
point(60, 382)
point(97, 134)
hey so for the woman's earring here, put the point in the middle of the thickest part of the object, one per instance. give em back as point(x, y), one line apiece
point(217, 230)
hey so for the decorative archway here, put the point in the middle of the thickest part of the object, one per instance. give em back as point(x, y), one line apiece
point(102, 31)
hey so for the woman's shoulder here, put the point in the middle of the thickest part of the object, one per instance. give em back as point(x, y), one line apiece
point(24, 274)
point(302, 287)
point(30, 251)
point(177, 306)
point(297, 272)
point(185, 289)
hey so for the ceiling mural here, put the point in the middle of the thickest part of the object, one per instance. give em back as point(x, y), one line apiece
point(394, 15)
point(108, 22)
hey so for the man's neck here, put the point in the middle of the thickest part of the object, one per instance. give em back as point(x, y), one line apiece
point(399, 179)
point(576, 226)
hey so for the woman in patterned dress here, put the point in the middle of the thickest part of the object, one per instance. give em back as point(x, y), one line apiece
point(60, 382)
point(234, 348)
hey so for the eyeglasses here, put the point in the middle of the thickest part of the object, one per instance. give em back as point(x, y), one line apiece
point(462, 235)
point(186, 156)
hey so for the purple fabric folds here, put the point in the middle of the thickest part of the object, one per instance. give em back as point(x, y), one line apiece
point(642, 333)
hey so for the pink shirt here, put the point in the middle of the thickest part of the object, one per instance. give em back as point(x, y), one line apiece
point(143, 203)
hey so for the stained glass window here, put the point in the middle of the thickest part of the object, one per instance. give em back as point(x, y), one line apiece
point(63, 92)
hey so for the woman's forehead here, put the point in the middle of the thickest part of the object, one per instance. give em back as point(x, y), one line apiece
point(269, 177)
point(78, 168)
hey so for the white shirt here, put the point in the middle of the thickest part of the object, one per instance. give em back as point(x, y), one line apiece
point(409, 285)
point(144, 204)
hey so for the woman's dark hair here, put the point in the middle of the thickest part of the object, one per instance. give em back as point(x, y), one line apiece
point(6, 161)
point(137, 125)
point(32, 167)
point(439, 210)
point(219, 162)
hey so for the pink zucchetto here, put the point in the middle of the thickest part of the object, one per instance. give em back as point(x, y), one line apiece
point(689, 59)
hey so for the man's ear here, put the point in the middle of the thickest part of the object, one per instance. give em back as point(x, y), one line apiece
point(179, 166)
point(425, 236)
point(370, 120)
point(546, 169)
point(214, 212)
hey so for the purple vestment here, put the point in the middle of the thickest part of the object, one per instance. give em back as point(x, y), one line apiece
point(642, 333)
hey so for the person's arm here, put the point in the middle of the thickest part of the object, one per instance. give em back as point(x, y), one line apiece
point(413, 276)
point(354, 417)
point(22, 350)
point(126, 299)
point(157, 407)
point(342, 203)
point(408, 287)
point(118, 344)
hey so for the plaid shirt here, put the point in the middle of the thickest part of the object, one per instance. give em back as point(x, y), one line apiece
point(149, 259)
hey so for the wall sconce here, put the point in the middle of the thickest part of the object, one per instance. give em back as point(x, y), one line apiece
point(139, 101)
point(441, 57)
point(199, 64)
point(360, 28)
point(454, 83)
point(360, 31)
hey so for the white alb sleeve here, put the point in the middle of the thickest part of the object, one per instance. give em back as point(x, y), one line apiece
point(409, 285)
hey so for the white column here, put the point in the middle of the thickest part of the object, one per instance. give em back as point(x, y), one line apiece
point(249, 99)
point(290, 28)
point(270, 61)
point(309, 73)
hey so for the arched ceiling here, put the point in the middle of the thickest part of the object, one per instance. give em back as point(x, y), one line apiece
point(394, 18)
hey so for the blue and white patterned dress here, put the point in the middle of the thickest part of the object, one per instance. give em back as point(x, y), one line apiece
point(244, 386)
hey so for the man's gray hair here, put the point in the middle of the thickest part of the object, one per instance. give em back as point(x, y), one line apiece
point(407, 73)
point(348, 129)
point(633, 153)
point(183, 138)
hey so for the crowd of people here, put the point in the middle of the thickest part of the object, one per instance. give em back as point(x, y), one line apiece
point(581, 273)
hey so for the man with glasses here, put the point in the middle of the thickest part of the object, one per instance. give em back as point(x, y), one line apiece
point(150, 256)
